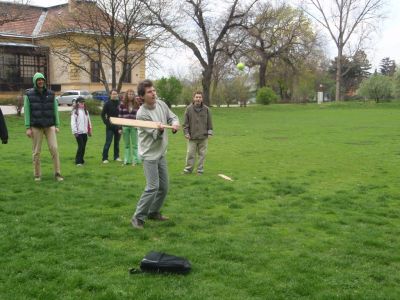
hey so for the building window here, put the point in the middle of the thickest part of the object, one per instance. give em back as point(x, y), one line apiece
point(27, 65)
point(17, 69)
point(95, 71)
point(128, 73)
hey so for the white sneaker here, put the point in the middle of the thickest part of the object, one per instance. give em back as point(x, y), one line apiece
point(37, 178)
point(105, 161)
point(79, 165)
point(118, 159)
point(58, 177)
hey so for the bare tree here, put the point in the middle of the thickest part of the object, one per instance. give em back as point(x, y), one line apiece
point(342, 19)
point(222, 70)
point(195, 24)
point(272, 33)
point(12, 11)
point(114, 33)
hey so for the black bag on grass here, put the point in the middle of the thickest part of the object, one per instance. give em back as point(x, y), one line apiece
point(157, 262)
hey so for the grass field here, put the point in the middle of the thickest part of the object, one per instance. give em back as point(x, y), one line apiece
point(313, 212)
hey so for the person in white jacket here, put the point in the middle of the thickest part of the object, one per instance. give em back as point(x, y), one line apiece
point(81, 128)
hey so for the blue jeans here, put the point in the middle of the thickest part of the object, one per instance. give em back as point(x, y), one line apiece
point(110, 134)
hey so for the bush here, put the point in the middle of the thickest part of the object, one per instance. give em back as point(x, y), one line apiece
point(19, 104)
point(265, 96)
point(377, 87)
point(169, 89)
point(396, 85)
point(7, 101)
point(353, 98)
point(93, 106)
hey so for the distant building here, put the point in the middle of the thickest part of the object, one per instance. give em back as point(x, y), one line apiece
point(26, 47)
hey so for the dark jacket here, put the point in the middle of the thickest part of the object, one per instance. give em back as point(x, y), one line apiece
point(3, 129)
point(197, 122)
point(110, 109)
point(41, 109)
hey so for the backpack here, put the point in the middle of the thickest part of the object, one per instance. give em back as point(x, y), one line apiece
point(157, 262)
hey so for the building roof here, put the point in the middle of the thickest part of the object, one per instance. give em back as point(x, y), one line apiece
point(58, 12)
point(41, 21)
point(6, 44)
point(21, 27)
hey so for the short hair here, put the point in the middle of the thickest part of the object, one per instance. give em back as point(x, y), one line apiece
point(113, 90)
point(197, 93)
point(141, 89)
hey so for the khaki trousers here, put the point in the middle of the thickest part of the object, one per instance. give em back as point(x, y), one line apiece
point(37, 139)
point(193, 147)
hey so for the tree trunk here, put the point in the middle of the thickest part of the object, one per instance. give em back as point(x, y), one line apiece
point(262, 75)
point(281, 92)
point(338, 74)
point(206, 83)
point(113, 72)
point(214, 91)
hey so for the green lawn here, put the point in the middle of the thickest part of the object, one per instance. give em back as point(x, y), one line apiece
point(313, 212)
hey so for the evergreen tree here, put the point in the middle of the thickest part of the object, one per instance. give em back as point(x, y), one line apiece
point(354, 70)
point(387, 66)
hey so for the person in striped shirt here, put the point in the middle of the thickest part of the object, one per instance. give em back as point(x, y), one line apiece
point(128, 109)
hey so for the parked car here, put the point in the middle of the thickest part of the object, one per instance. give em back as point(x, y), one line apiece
point(100, 95)
point(69, 96)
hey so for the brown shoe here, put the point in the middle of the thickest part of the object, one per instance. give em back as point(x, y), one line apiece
point(157, 216)
point(137, 223)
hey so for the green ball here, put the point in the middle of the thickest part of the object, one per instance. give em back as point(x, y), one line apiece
point(240, 66)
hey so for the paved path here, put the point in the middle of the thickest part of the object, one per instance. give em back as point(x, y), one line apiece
point(10, 109)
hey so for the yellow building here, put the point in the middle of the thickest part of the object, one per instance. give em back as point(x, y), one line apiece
point(29, 45)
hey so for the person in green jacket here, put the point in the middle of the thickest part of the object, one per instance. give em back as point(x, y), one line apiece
point(42, 119)
point(3, 129)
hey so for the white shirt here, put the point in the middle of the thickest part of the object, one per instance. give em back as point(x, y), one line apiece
point(80, 122)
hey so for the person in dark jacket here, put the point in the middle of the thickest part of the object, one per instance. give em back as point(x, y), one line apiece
point(110, 109)
point(41, 118)
point(3, 129)
point(197, 129)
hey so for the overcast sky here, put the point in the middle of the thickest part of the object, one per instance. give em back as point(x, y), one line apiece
point(385, 43)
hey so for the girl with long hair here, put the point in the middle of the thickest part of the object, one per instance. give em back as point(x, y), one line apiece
point(128, 109)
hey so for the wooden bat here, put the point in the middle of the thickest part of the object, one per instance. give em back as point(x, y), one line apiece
point(136, 123)
point(225, 177)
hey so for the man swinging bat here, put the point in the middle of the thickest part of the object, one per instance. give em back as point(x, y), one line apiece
point(152, 149)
